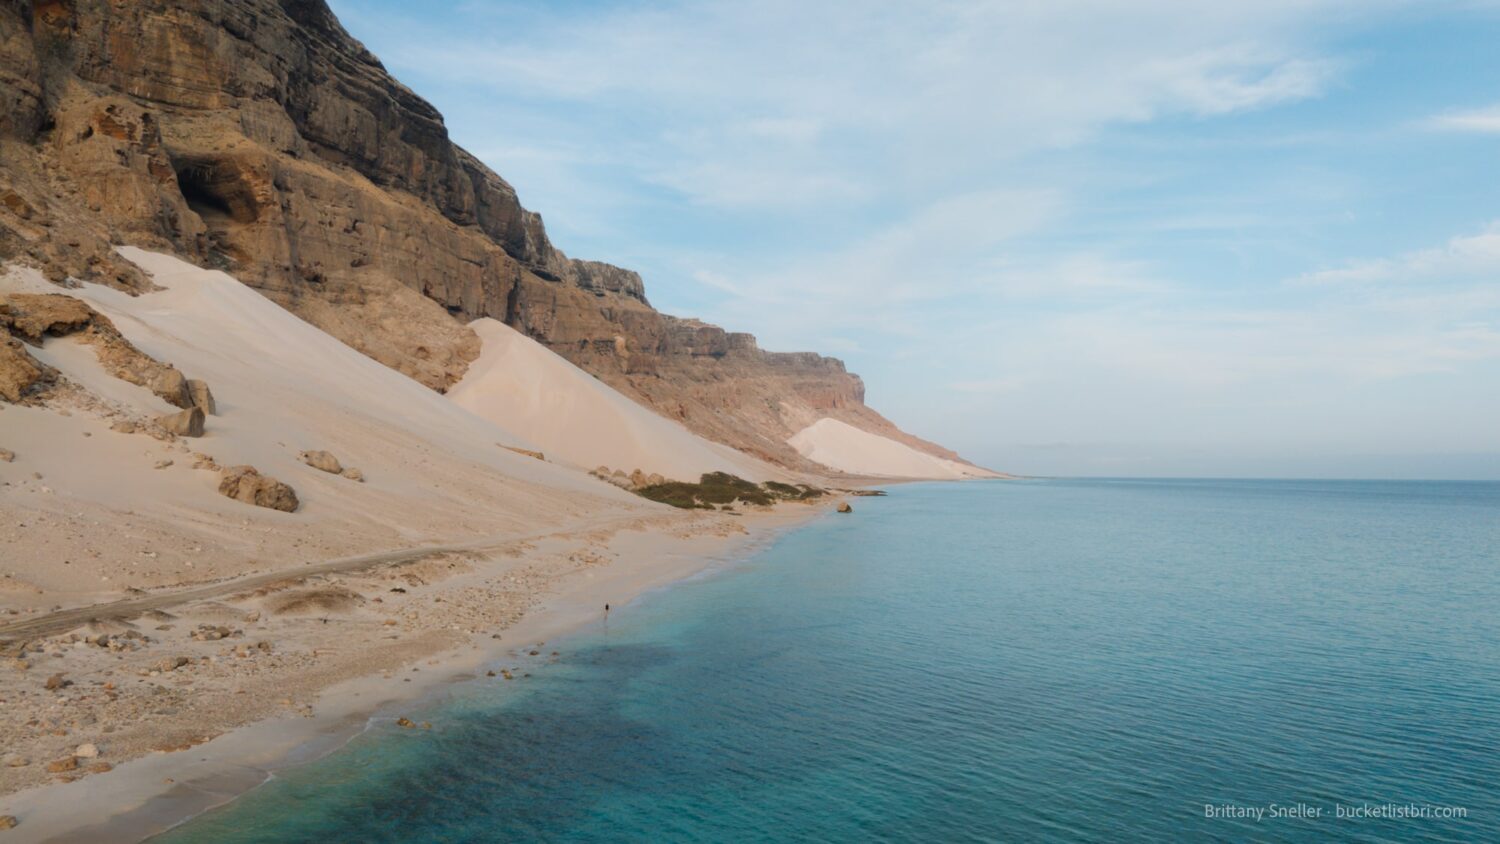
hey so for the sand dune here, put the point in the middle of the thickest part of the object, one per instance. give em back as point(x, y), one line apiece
point(846, 448)
point(575, 418)
point(434, 471)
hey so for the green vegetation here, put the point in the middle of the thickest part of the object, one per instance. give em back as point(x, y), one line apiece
point(788, 492)
point(716, 490)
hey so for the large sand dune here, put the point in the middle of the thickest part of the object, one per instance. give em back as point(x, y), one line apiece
point(82, 492)
point(573, 417)
point(846, 448)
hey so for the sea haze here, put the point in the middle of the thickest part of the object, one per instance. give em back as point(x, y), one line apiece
point(1063, 661)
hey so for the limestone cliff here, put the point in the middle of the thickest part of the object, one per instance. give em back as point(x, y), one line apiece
point(259, 137)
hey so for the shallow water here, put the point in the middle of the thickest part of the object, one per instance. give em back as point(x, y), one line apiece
point(1043, 661)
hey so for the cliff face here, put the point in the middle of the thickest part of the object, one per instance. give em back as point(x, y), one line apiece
point(259, 137)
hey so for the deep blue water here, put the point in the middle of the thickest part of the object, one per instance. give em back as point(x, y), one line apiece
point(1035, 661)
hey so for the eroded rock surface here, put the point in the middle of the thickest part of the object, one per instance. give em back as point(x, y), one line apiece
point(33, 316)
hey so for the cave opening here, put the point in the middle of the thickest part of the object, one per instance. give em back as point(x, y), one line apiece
point(201, 190)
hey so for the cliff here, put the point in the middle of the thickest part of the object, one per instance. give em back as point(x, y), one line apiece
point(258, 137)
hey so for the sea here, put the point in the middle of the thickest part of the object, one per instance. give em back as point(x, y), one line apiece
point(1108, 660)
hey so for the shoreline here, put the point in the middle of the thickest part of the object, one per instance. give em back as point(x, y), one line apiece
point(150, 794)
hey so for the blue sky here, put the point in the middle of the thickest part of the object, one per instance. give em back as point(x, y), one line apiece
point(1152, 238)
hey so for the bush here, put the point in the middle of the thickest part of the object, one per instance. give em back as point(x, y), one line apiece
point(722, 488)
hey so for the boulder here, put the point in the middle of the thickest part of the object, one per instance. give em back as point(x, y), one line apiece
point(87, 751)
point(165, 381)
point(354, 474)
point(183, 423)
point(201, 397)
point(8, 821)
point(172, 663)
point(62, 765)
point(322, 461)
point(845, 508)
point(7, 456)
point(246, 484)
point(20, 373)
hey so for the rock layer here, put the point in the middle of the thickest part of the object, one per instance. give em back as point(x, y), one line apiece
point(259, 137)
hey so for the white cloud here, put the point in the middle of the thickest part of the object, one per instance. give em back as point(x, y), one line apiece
point(782, 103)
point(883, 282)
point(1479, 120)
point(1462, 257)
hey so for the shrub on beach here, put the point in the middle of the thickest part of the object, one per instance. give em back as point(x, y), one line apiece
point(720, 488)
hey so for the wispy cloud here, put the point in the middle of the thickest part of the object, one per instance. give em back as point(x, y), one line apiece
point(783, 103)
point(1480, 120)
point(1462, 257)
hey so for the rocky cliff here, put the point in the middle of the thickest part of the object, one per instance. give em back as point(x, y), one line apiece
point(259, 137)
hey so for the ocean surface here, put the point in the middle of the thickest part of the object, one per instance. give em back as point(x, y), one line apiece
point(1070, 660)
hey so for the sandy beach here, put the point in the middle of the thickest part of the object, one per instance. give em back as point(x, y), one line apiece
point(169, 637)
point(173, 743)
point(164, 643)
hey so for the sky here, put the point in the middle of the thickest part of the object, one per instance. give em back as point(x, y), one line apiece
point(1063, 237)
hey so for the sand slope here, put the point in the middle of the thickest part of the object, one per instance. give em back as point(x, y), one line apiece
point(434, 471)
point(573, 417)
point(842, 446)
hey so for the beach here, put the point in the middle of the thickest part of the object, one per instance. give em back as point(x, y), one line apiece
point(184, 740)
point(326, 536)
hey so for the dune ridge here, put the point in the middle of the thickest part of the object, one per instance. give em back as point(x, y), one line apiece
point(573, 417)
point(845, 448)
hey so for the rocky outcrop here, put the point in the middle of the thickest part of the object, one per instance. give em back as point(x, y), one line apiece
point(535, 455)
point(258, 136)
point(245, 483)
point(20, 373)
point(31, 317)
point(635, 480)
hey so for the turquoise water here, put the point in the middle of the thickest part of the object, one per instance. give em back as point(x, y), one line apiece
point(1035, 661)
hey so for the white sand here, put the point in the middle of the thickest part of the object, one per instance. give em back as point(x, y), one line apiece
point(846, 448)
point(435, 472)
point(575, 418)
